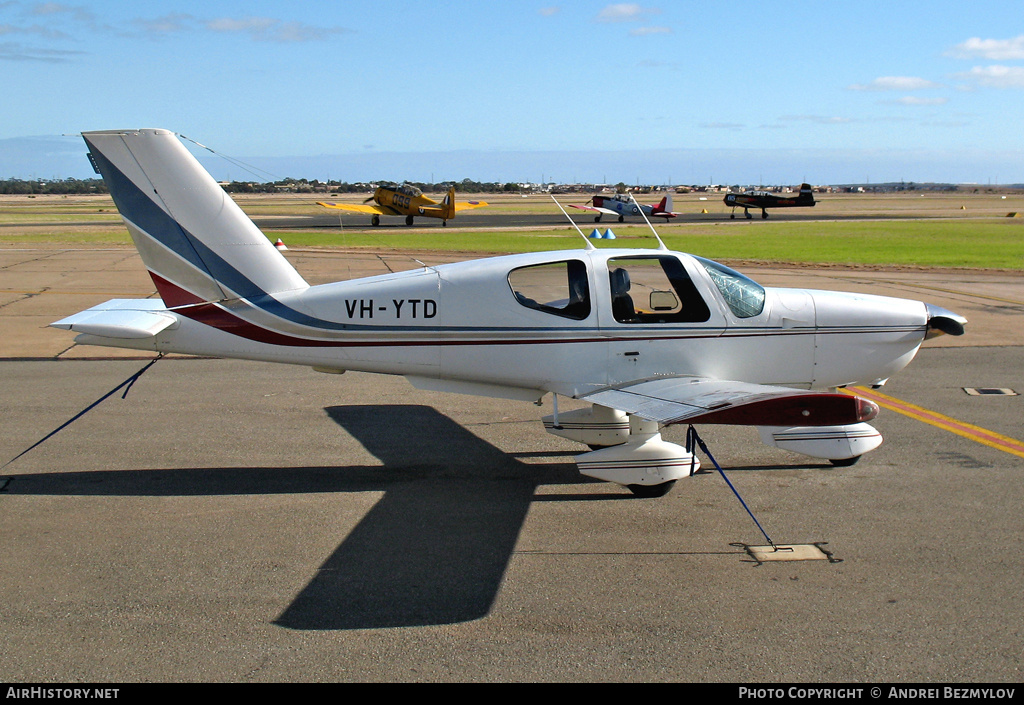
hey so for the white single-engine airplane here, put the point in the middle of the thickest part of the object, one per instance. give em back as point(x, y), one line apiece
point(646, 337)
point(622, 204)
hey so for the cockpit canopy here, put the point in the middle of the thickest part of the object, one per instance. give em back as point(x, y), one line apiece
point(647, 288)
point(403, 188)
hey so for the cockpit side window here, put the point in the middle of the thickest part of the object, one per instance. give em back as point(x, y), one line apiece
point(559, 288)
point(743, 295)
point(654, 289)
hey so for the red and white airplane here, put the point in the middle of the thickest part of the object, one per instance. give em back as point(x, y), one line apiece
point(646, 337)
point(623, 204)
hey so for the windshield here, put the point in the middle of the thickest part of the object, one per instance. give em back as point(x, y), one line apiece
point(744, 296)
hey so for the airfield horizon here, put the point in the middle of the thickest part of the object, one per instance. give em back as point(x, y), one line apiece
point(929, 229)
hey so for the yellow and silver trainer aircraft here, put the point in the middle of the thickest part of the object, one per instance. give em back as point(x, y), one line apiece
point(407, 200)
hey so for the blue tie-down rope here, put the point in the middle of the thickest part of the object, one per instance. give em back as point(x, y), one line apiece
point(691, 439)
point(127, 384)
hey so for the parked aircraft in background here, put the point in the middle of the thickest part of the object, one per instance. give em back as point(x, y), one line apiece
point(764, 200)
point(643, 337)
point(407, 200)
point(622, 204)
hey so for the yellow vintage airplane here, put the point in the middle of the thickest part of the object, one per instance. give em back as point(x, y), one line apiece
point(403, 199)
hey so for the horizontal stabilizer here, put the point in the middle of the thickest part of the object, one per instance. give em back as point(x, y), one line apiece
point(467, 205)
point(129, 319)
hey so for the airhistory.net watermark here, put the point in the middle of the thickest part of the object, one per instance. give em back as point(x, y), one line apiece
point(61, 693)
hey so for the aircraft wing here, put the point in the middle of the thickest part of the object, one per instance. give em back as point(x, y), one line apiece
point(466, 205)
point(672, 400)
point(355, 208)
point(608, 211)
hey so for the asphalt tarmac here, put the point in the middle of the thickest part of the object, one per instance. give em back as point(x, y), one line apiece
point(246, 522)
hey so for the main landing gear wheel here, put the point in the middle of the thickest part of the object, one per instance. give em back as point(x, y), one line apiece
point(375, 220)
point(408, 220)
point(597, 219)
point(844, 462)
point(650, 491)
point(764, 215)
point(620, 218)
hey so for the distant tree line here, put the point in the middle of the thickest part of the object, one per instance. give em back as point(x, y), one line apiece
point(32, 187)
point(85, 186)
point(315, 185)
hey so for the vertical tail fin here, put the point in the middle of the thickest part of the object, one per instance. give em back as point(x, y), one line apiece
point(448, 211)
point(806, 193)
point(196, 242)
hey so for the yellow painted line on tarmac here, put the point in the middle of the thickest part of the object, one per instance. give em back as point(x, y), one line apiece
point(974, 433)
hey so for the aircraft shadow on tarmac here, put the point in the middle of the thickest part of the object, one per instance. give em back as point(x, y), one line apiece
point(433, 550)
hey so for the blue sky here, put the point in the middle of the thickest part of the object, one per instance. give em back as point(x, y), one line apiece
point(682, 92)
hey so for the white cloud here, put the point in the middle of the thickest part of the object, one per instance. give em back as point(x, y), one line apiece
point(267, 29)
point(896, 83)
point(36, 30)
point(246, 24)
point(915, 100)
point(625, 12)
point(994, 76)
point(549, 11)
point(994, 49)
point(51, 9)
point(15, 51)
point(647, 31)
point(173, 22)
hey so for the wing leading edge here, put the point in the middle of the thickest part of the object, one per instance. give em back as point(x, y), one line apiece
point(356, 208)
point(673, 400)
point(594, 209)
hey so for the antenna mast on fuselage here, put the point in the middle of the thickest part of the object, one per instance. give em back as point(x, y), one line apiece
point(590, 245)
point(661, 245)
